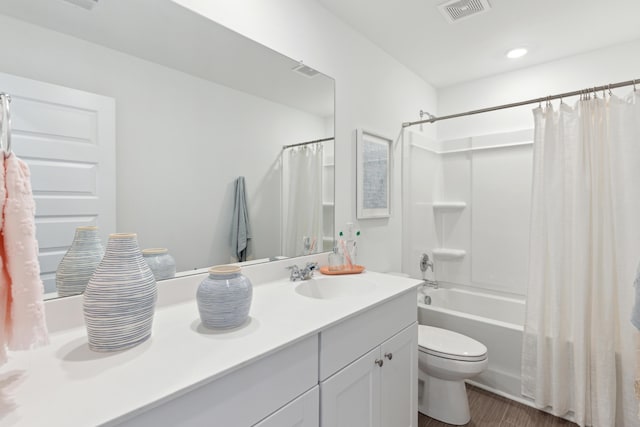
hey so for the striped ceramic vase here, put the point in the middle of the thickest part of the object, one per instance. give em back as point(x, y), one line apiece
point(120, 298)
point(224, 298)
point(80, 261)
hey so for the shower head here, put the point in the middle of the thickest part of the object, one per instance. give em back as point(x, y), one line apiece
point(426, 113)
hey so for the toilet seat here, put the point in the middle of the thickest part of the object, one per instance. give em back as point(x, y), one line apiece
point(447, 344)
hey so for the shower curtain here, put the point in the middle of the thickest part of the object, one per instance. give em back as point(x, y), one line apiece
point(578, 346)
point(303, 198)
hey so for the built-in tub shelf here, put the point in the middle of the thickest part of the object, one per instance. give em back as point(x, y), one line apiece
point(449, 206)
point(327, 243)
point(444, 254)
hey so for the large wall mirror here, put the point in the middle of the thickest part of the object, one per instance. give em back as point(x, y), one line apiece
point(140, 115)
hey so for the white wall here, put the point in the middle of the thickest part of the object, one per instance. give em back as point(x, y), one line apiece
point(373, 91)
point(497, 183)
point(179, 138)
point(423, 177)
point(610, 65)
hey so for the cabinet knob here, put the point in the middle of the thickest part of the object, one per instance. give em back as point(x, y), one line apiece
point(388, 355)
point(379, 362)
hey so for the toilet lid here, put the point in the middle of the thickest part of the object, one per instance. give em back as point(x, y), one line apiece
point(449, 345)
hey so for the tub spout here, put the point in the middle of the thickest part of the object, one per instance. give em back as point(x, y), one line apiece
point(433, 284)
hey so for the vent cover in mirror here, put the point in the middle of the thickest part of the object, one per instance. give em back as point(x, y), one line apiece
point(305, 70)
point(86, 4)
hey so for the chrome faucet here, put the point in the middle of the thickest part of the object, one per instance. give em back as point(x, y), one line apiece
point(302, 274)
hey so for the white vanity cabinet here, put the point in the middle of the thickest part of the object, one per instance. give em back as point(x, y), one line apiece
point(398, 384)
point(302, 412)
point(248, 395)
point(378, 385)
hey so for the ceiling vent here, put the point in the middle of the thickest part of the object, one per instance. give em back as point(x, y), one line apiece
point(85, 4)
point(305, 70)
point(457, 10)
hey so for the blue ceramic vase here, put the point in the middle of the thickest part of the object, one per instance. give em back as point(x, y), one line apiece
point(224, 298)
point(160, 262)
point(80, 261)
point(120, 299)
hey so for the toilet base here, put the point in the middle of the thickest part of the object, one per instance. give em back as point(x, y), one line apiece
point(443, 400)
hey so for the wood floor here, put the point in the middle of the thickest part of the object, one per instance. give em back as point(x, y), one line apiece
point(488, 409)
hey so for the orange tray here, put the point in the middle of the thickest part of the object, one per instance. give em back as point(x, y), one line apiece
point(356, 269)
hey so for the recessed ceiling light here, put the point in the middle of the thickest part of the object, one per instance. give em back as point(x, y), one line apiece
point(516, 53)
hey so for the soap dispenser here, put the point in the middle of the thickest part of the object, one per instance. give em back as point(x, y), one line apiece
point(336, 261)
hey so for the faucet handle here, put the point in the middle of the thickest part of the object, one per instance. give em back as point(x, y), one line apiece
point(307, 273)
point(311, 266)
point(425, 263)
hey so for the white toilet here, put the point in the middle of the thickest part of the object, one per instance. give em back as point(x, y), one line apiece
point(445, 360)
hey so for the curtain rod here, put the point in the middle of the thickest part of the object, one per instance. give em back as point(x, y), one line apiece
point(284, 147)
point(596, 89)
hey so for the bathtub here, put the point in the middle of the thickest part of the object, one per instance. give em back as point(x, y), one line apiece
point(495, 321)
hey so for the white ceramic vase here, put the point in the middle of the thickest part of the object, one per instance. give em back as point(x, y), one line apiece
point(80, 261)
point(120, 299)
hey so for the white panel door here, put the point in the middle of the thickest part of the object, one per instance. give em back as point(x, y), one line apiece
point(302, 412)
point(351, 397)
point(67, 137)
point(399, 379)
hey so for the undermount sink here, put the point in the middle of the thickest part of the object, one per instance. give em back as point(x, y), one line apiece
point(335, 287)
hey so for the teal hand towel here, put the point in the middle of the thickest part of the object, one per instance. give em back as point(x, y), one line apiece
point(240, 229)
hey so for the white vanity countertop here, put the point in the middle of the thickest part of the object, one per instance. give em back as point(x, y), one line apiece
point(66, 384)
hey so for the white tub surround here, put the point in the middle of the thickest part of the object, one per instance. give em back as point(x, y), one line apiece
point(185, 374)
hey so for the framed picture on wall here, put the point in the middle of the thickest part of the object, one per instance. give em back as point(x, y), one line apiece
point(373, 175)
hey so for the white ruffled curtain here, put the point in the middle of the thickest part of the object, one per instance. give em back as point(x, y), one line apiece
point(578, 347)
point(303, 200)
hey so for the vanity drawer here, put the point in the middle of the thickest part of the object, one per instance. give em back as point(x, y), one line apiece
point(243, 397)
point(343, 343)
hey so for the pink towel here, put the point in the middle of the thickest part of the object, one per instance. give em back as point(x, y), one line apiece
point(5, 291)
point(25, 324)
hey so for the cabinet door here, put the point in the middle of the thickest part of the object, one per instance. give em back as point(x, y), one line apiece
point(302, 412)
point(399, 379)
point(351, 397)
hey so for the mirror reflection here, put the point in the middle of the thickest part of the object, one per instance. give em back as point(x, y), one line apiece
point(141, 116)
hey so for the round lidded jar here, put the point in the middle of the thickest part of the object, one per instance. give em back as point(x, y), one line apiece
point(224, 298)
point(160, 262)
